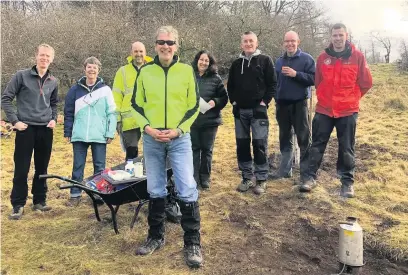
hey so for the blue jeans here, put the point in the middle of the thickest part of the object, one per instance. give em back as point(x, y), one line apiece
point(80, 152)
point(181, 159)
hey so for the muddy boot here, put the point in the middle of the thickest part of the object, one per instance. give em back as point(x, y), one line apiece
point(307, 186)
point(260, 187)
point(42, 206)
point(17, 212)
point(155, 239)
point(245, 185)
point(190, 222)
point(347, 191)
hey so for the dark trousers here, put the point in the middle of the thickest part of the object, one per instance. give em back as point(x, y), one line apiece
point(130, 141)
point(346, 131)
point(38, 139)
point(80, 152)
point(256, 121)
point(293, 117)
point(202, 141)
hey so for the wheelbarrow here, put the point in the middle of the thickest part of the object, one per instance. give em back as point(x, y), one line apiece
point(133, 191)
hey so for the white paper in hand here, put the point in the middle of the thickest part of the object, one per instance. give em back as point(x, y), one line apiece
point(204, 106)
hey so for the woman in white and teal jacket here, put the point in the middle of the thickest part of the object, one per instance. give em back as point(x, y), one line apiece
point(89, 120)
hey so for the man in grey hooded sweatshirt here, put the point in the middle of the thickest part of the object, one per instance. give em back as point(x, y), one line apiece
point(36, 91)
point(251, 87)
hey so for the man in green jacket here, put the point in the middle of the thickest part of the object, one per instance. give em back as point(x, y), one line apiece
point(166, 101)
point(123, 84)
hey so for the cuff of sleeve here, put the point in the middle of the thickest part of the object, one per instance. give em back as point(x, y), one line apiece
point(144, 126)
point(183, 128)
point(14, 122)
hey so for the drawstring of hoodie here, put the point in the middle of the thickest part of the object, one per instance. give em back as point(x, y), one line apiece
point(257, 52)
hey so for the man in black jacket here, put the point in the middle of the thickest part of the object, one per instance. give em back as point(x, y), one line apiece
point(251, 86)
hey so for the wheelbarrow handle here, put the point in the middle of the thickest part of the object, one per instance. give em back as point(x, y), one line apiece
point(58, 177)
point(73, 183)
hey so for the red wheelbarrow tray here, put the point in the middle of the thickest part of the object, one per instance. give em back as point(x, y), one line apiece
point(134, 191)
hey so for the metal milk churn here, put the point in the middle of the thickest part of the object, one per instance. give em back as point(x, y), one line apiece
point(351, 243)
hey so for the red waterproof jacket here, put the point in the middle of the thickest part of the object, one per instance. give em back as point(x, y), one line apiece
point(341, 81)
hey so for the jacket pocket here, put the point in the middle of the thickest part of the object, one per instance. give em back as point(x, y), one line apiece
point(260, 112)
point(328, 71)
point(348, 76)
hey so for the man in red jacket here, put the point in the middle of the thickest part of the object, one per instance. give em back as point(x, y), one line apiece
point(342, 78)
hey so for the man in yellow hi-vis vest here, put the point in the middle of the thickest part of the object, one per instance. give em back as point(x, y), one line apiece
point(125, 78)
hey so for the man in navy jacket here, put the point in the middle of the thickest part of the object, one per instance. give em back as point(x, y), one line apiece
point(295, 73)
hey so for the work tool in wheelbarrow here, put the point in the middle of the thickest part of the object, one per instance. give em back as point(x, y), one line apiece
point(131, 191)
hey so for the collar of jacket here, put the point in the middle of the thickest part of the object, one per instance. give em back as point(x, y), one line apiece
point(147, 59)
point(35, 72)
point(346, 53)
point(174, 61)
point(249, 58)
point(82, 82)
point(206, 74)
point(256, 53)
point(297, 54)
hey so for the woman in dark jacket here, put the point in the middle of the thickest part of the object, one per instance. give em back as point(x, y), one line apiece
point(205, 127)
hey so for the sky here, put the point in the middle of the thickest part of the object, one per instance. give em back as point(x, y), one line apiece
point(362, 16)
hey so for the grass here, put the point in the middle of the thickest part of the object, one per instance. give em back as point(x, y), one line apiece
point(71, 241)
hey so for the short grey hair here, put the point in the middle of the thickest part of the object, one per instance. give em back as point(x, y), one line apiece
point(249, 33)
point(168, 30)
point(338, 26)
point(93, 60)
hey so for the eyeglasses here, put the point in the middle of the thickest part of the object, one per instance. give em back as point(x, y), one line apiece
point(168, 42)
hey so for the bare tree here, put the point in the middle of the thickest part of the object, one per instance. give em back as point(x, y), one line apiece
point(385, 41)
point(373, 58)
point(105, 29)
point(403, 61)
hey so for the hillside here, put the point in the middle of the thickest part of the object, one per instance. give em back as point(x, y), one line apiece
point(282, 232)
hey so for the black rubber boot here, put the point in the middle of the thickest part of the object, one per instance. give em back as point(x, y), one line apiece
point(190, 222)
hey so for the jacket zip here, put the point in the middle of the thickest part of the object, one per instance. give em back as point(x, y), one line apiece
point(165, 98)
point(87, 128)
point(89, 107)
point(41, 86)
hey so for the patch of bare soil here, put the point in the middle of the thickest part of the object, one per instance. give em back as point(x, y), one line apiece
point(273, 238)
